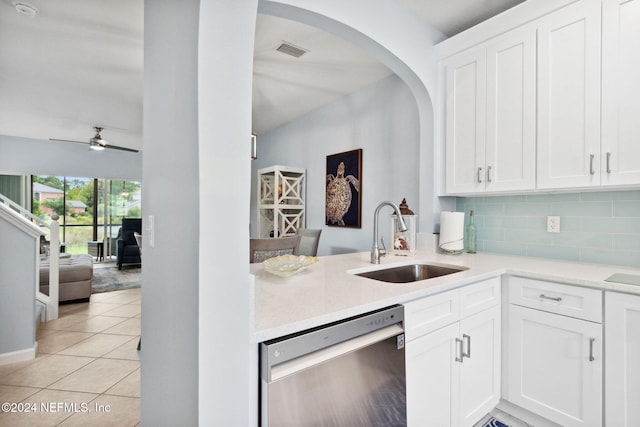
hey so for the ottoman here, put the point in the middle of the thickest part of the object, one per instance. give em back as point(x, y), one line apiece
point(76, 274)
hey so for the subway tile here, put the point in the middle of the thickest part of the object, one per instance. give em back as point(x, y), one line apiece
point(554, 252)
point(563, 197)
point(583, 239)
point(507, 199)
point(611, 256)
point(496, 234)
point(528, 236)
point(626, 208)
point(518, 222)
point(509, 248)
point(601, 226)
point(581, 209)
point(611, 195)
point(628, 242)
point(597, 196)
point(490, 209)
point(611, 225)
point(567, 223)
point(527, 209)
point(536, 223)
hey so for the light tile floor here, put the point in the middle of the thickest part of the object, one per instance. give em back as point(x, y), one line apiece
point(87, 371)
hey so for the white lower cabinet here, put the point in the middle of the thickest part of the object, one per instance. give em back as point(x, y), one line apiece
point(555, 362)
point(453, 372)
point(622, 366)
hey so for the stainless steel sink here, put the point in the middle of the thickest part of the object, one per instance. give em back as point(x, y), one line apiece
point(410, 273)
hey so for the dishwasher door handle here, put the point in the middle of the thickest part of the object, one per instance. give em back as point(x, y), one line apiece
point(296, 365)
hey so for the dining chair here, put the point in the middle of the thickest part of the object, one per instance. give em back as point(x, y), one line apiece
point(261, 249)
point(309, 240)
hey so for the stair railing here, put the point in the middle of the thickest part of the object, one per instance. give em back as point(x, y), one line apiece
point(51, 300)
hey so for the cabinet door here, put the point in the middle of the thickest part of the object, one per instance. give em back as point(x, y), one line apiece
point(622, 350)
point(432, 378)
point(620, 92)
point(569, 97)
point(480, 369)
point(465, 140)
point(511, 120)
point(555, 366)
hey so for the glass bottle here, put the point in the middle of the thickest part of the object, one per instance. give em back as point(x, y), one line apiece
point(471, 235)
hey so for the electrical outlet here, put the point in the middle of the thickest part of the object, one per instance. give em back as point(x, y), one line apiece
point(553, 224)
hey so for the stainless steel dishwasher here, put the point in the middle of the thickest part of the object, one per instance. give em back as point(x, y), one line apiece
point(350, 373)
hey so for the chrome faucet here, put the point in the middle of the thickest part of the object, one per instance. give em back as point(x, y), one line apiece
point(376, 252)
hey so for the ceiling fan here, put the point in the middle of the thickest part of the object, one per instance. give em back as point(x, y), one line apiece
point(97, 143)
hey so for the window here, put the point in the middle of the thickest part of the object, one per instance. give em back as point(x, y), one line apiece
point(88, 208)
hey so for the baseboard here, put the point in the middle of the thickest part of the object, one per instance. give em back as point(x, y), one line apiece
point(19, 355)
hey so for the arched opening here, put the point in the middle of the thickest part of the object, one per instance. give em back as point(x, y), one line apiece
point(413, 62)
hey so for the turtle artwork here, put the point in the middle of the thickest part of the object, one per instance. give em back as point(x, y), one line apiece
point(339, 196)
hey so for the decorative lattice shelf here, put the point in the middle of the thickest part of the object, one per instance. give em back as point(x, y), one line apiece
point(281, 201)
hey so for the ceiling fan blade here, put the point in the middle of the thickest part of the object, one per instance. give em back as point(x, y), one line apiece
point(115, 147)
point(68, 140)
point(112, 147)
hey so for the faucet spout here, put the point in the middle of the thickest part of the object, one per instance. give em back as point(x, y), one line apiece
point(376, 252)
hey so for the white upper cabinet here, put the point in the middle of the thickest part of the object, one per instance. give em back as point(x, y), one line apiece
point(490, 142)
point(620, 92)
point(569, 97)
point(552, 104)
point(511, 120)
point(465, 122)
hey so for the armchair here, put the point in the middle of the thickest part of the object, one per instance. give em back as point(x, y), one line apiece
point(128, 250)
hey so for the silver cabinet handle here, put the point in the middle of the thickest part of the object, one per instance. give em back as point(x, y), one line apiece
point(466, 340)
point(591, 170)
point(608, 162)
point(591, 341)
point(488, 173)
point(557, 299)
point(459, 351)
point(479, 178)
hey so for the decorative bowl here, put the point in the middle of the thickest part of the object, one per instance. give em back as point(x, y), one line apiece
point(288, 265)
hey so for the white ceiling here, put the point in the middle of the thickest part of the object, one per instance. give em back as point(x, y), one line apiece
point(79, 64)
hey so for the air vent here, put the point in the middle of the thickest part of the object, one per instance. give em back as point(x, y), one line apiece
point(291, 50)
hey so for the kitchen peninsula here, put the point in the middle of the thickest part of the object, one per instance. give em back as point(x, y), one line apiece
point(524, 316)
point(330, 291)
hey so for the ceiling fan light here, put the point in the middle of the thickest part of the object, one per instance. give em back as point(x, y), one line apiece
point(97, 145)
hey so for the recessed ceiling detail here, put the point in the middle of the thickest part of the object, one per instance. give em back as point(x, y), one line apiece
point(289, 49)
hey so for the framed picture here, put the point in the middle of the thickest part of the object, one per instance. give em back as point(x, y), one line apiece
point(343, 196)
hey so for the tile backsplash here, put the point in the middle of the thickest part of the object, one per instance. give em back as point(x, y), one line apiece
point(595, 227)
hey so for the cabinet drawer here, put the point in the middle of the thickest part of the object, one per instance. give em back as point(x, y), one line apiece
point(479, 296)
point(573, 301)
point(430, 313)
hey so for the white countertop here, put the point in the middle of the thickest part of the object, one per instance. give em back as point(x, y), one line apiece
point(328, 291)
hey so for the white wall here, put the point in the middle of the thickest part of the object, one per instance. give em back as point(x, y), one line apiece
point(227, 371)
point(17, 289)
point(169, 356)
point(27, 156)
point(382, 119)
point(197, 356)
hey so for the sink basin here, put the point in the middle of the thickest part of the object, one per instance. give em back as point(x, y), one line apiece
point(410, 273)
